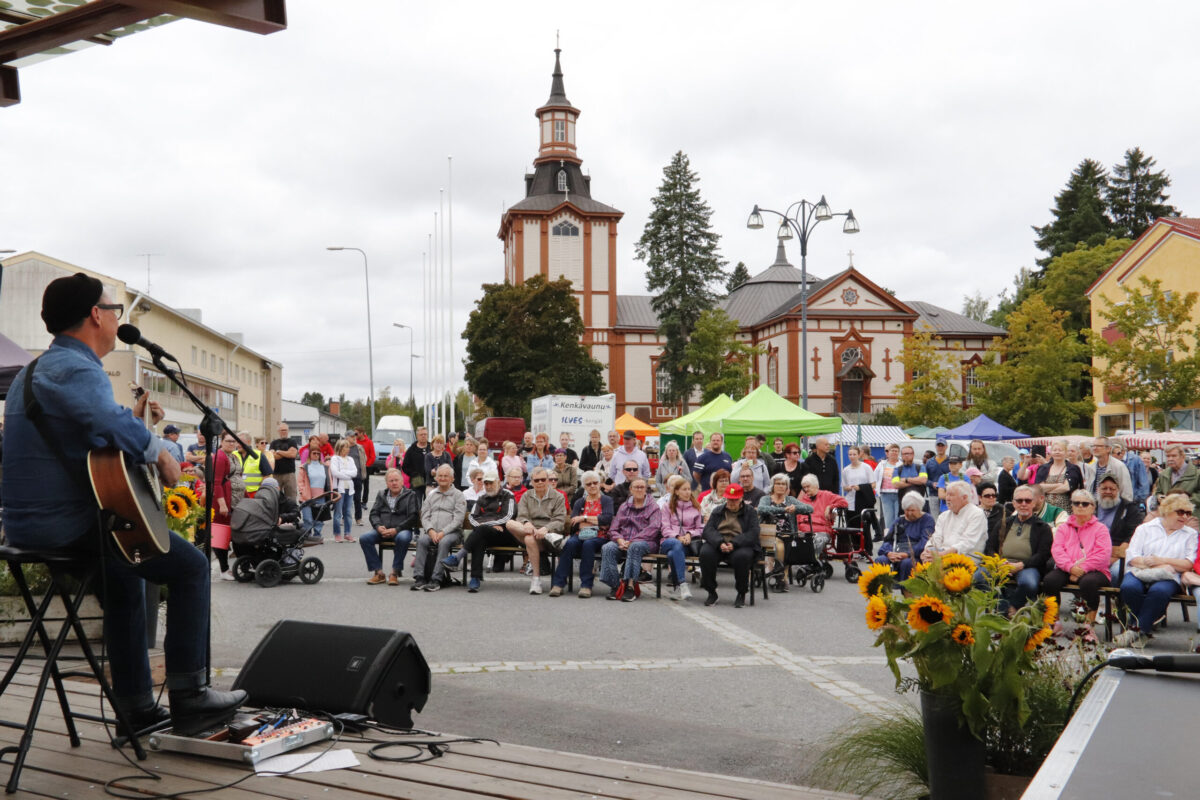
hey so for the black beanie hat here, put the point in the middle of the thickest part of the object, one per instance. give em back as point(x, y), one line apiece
point(68, 300)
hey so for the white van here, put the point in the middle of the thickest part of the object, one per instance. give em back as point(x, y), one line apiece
point(388, 429)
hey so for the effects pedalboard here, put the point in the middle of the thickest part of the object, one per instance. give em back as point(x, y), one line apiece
point(249, 738)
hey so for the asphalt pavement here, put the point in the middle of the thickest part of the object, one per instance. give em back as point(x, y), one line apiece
point(754, 692)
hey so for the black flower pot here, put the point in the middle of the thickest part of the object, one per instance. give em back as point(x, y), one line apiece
point(955, 756)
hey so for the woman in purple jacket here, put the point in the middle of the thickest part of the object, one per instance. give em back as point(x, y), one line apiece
point(635, 531)
point(682, 524)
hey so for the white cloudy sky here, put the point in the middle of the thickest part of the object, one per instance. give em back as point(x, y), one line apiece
point(947, 127)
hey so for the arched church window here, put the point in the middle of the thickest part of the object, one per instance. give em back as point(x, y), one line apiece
point(773, 372)
point(562, 180)
point(565, 229)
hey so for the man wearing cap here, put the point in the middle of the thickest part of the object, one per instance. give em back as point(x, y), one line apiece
point(394, 515)
point(731, 535)
point(935, 468)
point(77, 413)
point(1119, 515)
point(171, 442)
point(628, 451)
point(488, 520)
point(953, 474)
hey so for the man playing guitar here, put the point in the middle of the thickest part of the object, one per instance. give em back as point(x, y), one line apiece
point(48, 503)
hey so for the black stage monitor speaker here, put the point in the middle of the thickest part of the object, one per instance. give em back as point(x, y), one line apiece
point(338, 668)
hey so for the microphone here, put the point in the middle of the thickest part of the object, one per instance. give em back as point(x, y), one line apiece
point(1167, 662)
point(129, 334)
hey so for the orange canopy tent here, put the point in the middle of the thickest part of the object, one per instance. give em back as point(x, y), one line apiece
point(628, 422)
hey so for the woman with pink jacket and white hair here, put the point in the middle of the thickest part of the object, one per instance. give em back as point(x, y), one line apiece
point(1082, 551)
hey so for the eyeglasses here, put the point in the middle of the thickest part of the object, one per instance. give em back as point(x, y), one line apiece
point(1183, 512)
point(1022, 499)
point(591, 483)
point(538, 480)
point(1081, 503)
point(117, 308)
point(630, 469)
point(988, 494)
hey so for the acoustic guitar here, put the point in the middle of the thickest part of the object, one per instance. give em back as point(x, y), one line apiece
point(132, 493)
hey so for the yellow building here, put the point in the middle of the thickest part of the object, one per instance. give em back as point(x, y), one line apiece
point(244, 386)
point(1169, 251)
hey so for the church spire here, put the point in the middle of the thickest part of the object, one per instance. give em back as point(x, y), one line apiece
point(556, 121)
point(558, 95)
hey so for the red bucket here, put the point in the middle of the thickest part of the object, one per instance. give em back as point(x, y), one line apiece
point(221, 535)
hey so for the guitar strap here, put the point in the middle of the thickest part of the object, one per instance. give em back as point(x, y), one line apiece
point(36, 414)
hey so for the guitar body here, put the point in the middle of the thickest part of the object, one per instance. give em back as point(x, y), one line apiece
point(128, 491)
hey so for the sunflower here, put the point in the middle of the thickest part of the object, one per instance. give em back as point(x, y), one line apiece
point(926, 611)
point(951, 560)
point(177, 507)
point(1039, 637)
point(963, 635)
point(185, 492)
point(875, 579)
point(1051, 612)
point(919, 569)
point(877, 612)
point(957, 580)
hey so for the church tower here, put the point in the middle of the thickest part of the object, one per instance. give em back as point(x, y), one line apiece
point(558, 229)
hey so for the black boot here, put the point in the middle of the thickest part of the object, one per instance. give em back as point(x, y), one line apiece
point(196, 710)
point(144, 719)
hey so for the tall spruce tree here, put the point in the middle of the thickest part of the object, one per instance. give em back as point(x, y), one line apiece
point(1080, 213)
point(736, 278)
point(1137, 194)
point(683, 262)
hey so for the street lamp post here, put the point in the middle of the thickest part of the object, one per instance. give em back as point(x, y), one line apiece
point(370, 351)
point(802, 217)
point(411, 356)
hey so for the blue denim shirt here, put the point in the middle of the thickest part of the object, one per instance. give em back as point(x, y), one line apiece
point(44, 504)
point(1139, 476)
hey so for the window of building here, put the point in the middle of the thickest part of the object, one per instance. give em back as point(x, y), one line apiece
point(1111, 423)
point(565, 229)
point(773, 372)
point(560, 130)
point(222, 366)
point(194, 351)
point(662, 384)
point(973, 384)
point(212, 362)
point(562, 180)
point(1182, 420)
point(204, 359)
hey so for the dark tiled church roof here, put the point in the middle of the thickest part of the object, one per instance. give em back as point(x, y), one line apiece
point(947, 322)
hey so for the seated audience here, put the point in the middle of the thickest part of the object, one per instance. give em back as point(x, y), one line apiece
point(590, 519)
point(823, 503)
point(489, 516)
point(730, 536)
point(442, 516)
point(1121, 517)
point(906, 539)
point(711, 498)
point(540, 512)
point(394, 515)
point(1082, 551)
point(565, 473)
point(672, 463)
point(682, 525)
point(780, 509)
point(636, 531)
point(1160, 551)
point(1024, 540)
point(961, 529)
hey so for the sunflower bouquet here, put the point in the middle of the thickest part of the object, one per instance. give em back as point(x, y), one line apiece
point(951, 629)
point(183, 510)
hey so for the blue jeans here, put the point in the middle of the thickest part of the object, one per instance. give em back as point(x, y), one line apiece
point(184, 570)
point(341, 514)
point(890, 507)
point(1023, 588)
point(583, 549)
point(306, 514)
point(676, 552)
point(370, 541)
point(1146, 602)
point(611, 553)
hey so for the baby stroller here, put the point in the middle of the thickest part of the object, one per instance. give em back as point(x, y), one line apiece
point(801, 560)
point(850, 545)
point(269, 550)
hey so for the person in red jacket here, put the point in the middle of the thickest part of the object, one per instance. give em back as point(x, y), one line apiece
point(369, 459)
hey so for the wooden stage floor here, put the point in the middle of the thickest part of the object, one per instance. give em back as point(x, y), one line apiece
point(468, 770)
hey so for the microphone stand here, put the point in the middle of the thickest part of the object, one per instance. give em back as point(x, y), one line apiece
point(212, 426)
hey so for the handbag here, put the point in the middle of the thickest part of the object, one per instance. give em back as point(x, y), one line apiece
point(1153, 574)
point(555, 540)
point(590, 532)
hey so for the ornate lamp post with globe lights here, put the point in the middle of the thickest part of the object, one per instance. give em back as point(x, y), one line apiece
point(802, 217)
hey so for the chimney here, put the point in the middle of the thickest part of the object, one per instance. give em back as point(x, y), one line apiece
point(335, 408)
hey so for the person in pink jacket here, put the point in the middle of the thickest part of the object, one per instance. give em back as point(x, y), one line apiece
point(682, 525)
point(1082, 551)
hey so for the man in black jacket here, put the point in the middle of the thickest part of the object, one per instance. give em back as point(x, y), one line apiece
point(731, 535)
point(1120, 516)
point(414, 462)
point(820, 462)
point(394, 515)
point(492, 511)
point(1024, 539)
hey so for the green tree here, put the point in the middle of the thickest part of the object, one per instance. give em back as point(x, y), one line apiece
point(1080, 213)
point(1025, 283)
point(314, 399)
point(929, 397)
point(719, 362)
point(975, 306)
point(523, 342)
point(680, 250)
point(1148, 352)
point(1067, 278)
point(1029, 377)
point(1137, 194)
point(736, 278)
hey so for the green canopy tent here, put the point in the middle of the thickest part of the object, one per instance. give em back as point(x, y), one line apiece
point(763, 411)
point(680, 429)
point(924, 431)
